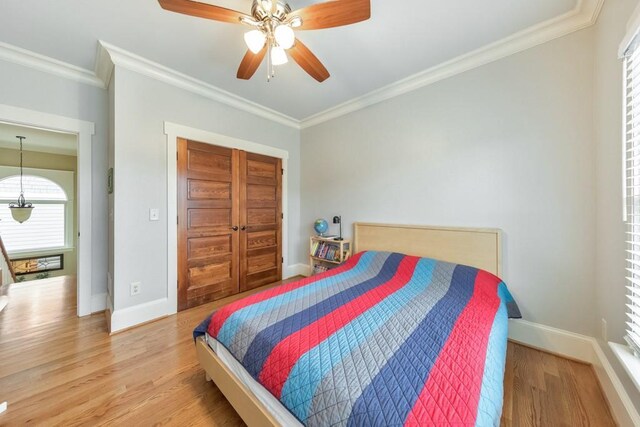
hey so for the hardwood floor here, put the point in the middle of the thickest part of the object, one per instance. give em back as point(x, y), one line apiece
point(542, 389)
point(57, 369)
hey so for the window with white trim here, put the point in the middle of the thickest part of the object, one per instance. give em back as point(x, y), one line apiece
point(632, 190)
point(47, 226)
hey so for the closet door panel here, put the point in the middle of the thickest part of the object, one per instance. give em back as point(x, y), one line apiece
point(261, 218)
point(208, 209)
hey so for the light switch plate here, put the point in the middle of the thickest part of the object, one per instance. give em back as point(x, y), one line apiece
point(154, 214)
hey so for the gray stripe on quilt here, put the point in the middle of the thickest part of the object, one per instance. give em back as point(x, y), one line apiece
point(341, 387)
point(247, 331)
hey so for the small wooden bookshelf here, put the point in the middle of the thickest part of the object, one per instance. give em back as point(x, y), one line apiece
point(326, 253)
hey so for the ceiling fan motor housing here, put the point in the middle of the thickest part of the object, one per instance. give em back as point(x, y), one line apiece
point(259, 12)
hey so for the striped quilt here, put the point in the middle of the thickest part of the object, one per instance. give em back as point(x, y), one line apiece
point(384, 339)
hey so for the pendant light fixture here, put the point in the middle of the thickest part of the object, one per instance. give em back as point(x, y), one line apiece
point(21, 211)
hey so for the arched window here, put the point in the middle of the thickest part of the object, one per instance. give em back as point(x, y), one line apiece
point(46, 229)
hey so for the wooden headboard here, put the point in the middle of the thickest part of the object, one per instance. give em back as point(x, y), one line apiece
point(477, 247)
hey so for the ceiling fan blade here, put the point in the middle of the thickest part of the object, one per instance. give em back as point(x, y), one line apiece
point(333, 13)
point(203, 10)
point(308, 61)
point(250, 64)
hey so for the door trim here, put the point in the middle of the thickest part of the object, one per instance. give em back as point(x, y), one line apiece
point(84, 131)
point(175, 131)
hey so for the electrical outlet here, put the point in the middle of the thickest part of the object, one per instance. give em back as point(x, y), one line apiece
point(604, 330)
point(136, 288)
point(154, 214)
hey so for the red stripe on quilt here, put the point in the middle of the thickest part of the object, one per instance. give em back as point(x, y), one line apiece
point(451, 395)
point(219, 317)
point(286, 353)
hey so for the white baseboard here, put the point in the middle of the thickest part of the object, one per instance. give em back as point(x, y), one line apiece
point(138, 314)
point(555, 340)
point(297, 270)
point(586, 349)
point(620, 402)
point(132, 316)
point(98, 302)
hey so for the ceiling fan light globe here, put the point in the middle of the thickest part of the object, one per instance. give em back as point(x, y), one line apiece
point(266, 5)
point(284, 36)
point(278, 56)
point(255, 40)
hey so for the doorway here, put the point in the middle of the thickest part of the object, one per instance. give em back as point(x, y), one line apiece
point(82, 132)
point(38, 244)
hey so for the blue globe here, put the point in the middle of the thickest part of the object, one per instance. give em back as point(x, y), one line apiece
point(321, 226)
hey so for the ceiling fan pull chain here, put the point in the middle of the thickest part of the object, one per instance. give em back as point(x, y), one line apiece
point(268, 61)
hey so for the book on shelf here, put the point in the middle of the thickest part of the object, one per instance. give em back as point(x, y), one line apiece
point(329, 250)
point(319, 269)
point(325, 250)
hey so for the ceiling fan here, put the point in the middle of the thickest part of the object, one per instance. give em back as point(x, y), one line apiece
point(273, 23)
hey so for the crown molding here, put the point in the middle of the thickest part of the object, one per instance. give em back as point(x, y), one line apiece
point(108, 56)
point(104, 66)
point(583, 15)
point(122, 58)
point(47, 64)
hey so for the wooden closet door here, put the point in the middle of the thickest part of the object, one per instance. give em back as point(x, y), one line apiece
point(261, 220)
point(208, 211)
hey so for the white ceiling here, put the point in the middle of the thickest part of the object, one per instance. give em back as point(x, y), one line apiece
point(401, 38)
point(45, 141)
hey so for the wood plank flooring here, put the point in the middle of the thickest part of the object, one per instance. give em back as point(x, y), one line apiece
point(57, 369)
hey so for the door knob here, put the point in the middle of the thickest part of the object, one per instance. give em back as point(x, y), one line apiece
point(244, 227)
point(234, 228)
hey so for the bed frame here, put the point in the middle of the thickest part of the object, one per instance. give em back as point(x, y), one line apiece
point(477, 247)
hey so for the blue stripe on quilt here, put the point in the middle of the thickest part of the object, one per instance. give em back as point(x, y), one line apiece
point(513, 311)
point(411, 364)
point(300, 387)
point(267, 339)
point(490, 405)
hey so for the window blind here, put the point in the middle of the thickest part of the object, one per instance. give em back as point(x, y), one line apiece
point(44, 230)
point(46, 227)
point(632, 192)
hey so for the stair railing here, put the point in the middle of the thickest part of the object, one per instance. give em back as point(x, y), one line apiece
point(8, 275)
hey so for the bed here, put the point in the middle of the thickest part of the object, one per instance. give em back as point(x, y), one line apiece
point(411, 330)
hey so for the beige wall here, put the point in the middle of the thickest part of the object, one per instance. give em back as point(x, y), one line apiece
point(35, 159)
point(38, 160)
